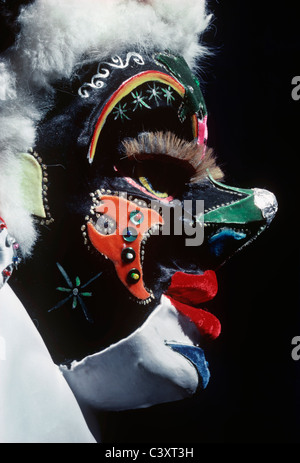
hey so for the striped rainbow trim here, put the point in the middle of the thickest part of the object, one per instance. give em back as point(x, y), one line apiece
point(127, 87)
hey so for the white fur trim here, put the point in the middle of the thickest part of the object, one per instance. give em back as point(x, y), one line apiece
point(7, 82)
point(56, 34)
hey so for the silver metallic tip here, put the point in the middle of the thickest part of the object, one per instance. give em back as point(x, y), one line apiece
point(267, 202)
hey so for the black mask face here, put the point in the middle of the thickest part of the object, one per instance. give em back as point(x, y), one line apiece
point(94, 281)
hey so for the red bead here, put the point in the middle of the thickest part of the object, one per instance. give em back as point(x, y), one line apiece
point(2, 224)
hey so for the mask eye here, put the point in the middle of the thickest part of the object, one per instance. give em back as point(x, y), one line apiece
point(163, 163)
point(161, 177)
point(155, 184)
point(105, 225)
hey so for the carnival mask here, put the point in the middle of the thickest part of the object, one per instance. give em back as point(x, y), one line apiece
point(135, 222)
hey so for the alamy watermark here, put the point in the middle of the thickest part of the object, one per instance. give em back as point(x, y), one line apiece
point(296, 88)
point(177, 218)
point(295, 353)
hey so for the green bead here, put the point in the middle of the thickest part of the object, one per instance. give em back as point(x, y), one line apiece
point(133, 276)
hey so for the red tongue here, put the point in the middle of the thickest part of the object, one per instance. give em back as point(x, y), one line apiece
point(193, 290)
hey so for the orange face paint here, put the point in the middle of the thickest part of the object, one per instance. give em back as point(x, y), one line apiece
point(122, 245)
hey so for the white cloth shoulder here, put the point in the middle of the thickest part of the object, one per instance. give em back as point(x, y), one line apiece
point(36, 403)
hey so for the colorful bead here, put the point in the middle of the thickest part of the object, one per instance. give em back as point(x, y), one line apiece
point(134, 276)
point(130, 234)
point(128, 255)
point(136, 217)
point(6, 273)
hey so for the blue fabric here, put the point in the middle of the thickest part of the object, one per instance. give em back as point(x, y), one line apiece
point(196, 356)
point(220, 242)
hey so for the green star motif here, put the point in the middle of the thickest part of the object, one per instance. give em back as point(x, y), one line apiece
point(154, 93)
point(168, 94)
point(75, 292)
point(120, 112)
point(138, 100)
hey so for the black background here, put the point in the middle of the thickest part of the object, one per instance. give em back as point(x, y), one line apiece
point(254, 392)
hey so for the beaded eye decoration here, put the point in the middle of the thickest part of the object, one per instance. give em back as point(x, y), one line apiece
point(119, 228)
point(9, 254)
